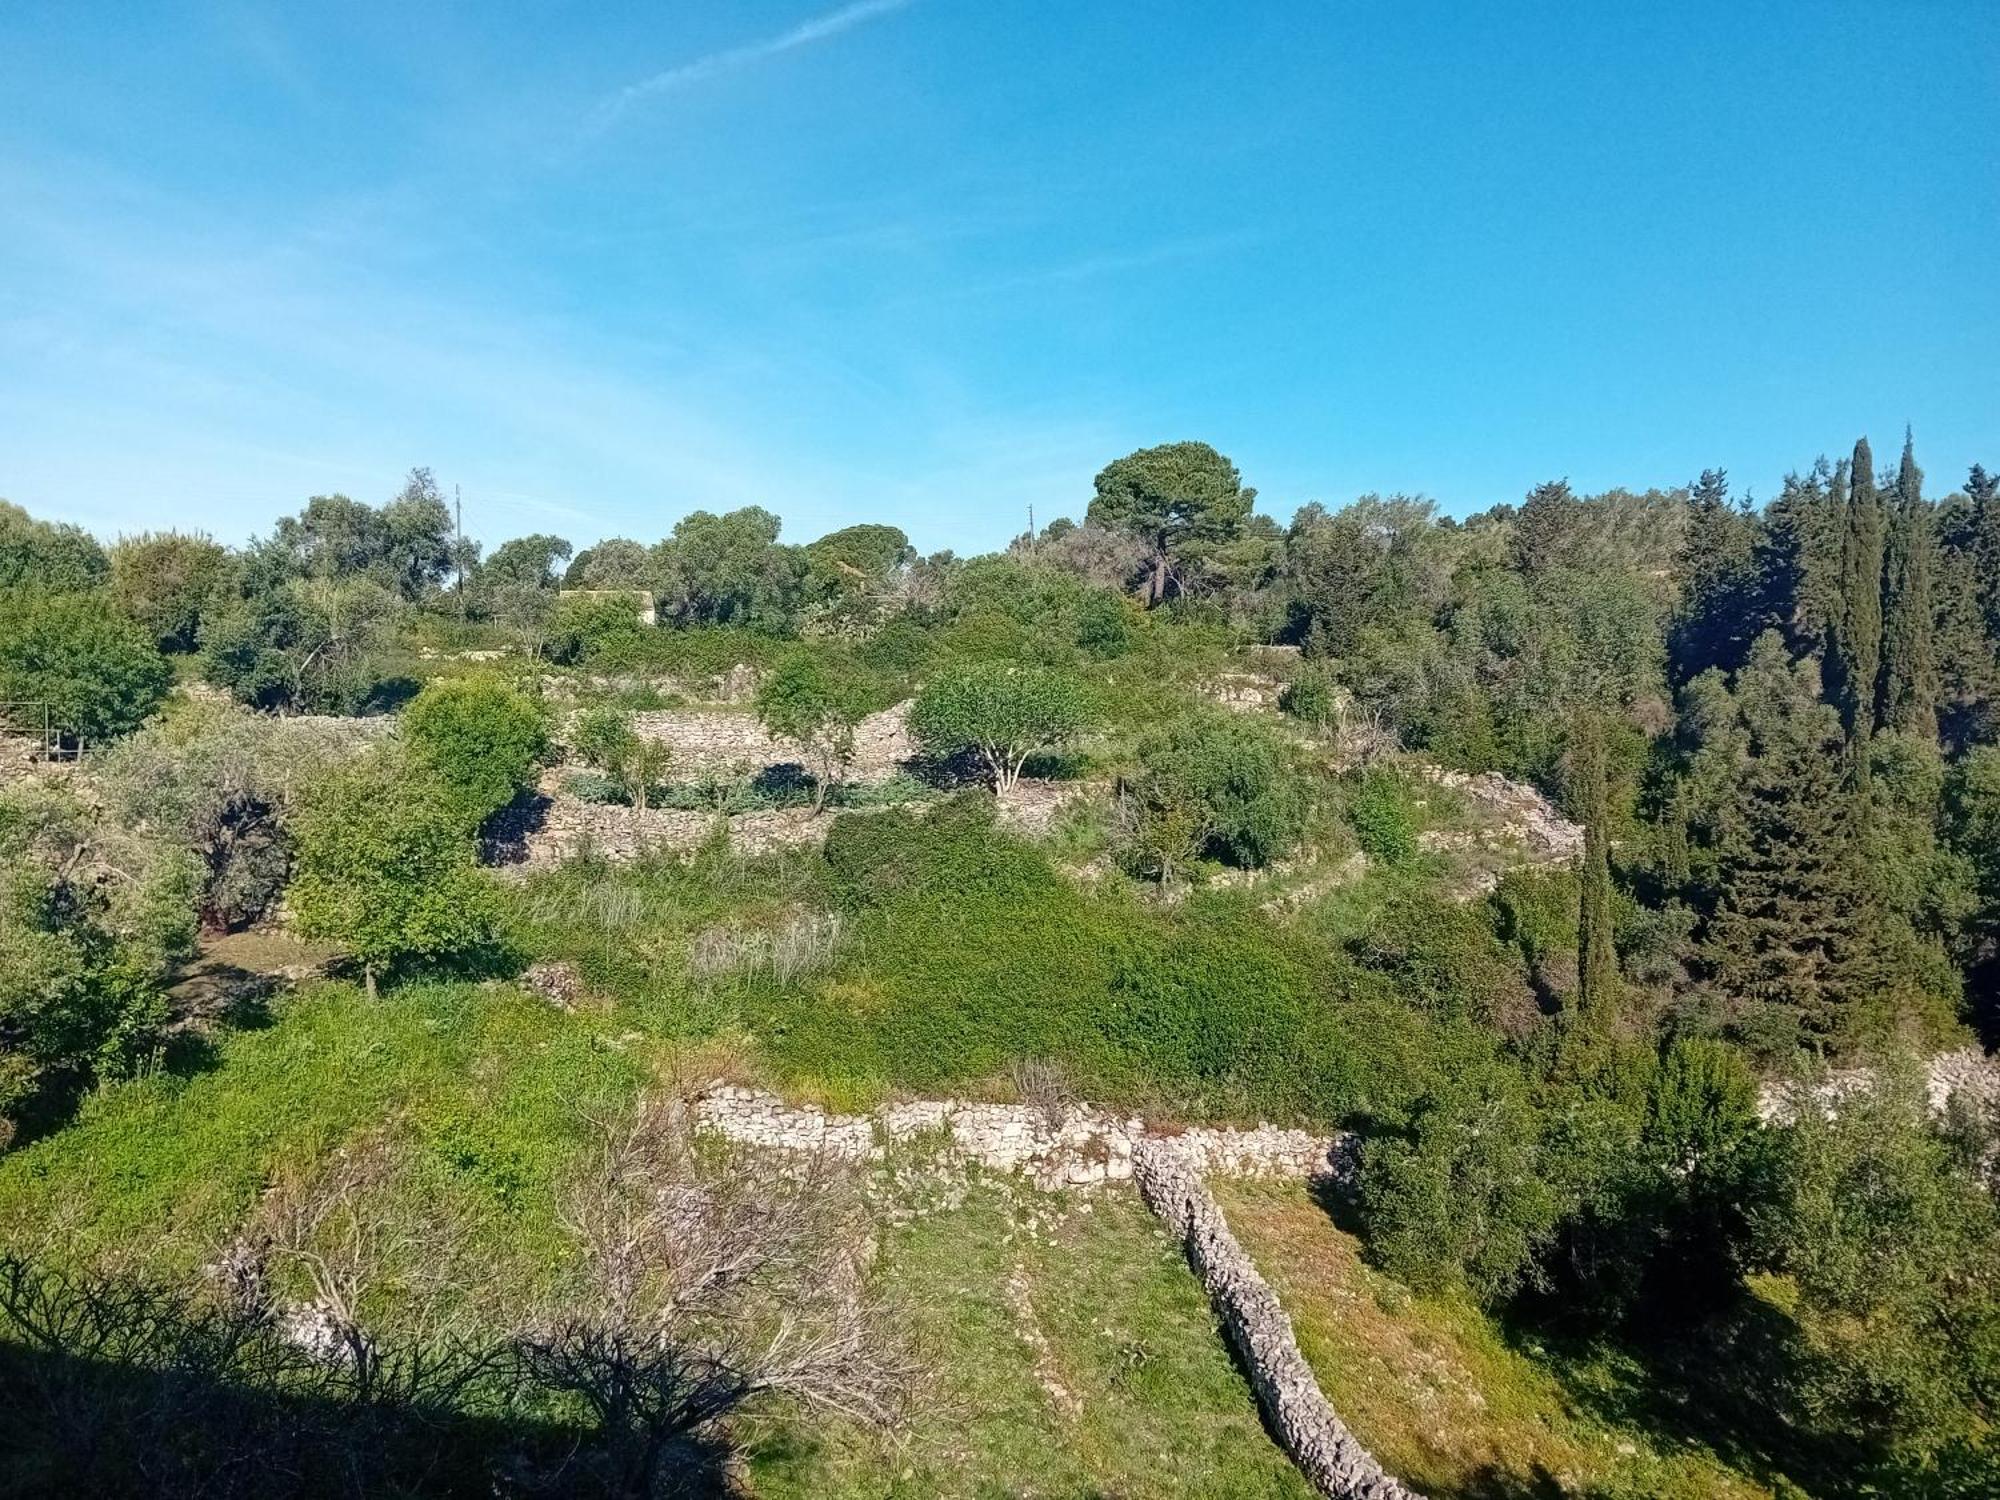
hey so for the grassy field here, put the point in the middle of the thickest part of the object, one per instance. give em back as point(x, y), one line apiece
point(1434, 1390)
point(1077, 1357)
point(1074, 1353)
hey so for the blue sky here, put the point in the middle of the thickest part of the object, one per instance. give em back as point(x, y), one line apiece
point(934, 261)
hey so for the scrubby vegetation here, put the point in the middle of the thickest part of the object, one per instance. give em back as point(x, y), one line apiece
point(1180, 810)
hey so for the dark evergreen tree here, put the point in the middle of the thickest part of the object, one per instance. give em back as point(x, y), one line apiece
point(1909, 652)
point(1790, 940)
point(1713, 624)
point(1983, 490)
point(1858, 658)
point(1798, 563)
point(1547, 529)
point(1968, 663)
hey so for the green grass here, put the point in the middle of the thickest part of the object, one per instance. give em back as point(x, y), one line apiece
point(1430, 1385)
point(1077, 1357)
point(496, 1087)
point(1074, 1352)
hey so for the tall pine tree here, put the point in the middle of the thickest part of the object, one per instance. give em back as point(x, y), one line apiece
point(1909, 699)
point(1983, 489)
point(1798, 563)
point(1858, 661)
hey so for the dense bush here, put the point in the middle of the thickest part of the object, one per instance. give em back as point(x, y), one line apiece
point(1382, 812)
point(1891, 1244)
point(584, 627)
point(1459, 1194)
point(43, 555)
point(1446, 959)
point(480, 737)
point(91, 923)
point(98, 674)
point(223, 782)
point(170, 583)
point(1242, 784)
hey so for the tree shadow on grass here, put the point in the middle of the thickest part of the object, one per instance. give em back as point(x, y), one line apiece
point(1699, 1385)
point(108, 1429)
point(1707, 1385)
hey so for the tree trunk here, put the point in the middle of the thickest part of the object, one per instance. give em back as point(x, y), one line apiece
point(368, 980)
point(1156, 586)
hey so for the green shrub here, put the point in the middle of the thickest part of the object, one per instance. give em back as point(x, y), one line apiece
point(1445, 958)
point(874, 856)
point(1381, 812)
point(1242, 783)
point(1213, 1010)
point(1459, 1195)
point(1313, 700)
point(479, 736)
point(98, 674)
point(585, 627)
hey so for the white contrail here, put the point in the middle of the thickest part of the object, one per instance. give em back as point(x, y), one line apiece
point(818, 29)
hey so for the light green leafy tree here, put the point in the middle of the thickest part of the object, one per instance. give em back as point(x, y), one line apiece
point(1000, 714)
point(807, 705)
point(481, 737)
point(385, 868)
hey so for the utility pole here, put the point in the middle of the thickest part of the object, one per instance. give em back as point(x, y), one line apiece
point(1033, 545)
point(458, 550)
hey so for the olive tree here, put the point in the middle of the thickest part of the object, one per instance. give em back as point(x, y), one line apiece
point(998, 713)
point(806, 705)
point(385, 867)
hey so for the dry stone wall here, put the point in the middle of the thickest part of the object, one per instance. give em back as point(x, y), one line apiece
point(1073, 1147)
point(704, 737)
point(1303, 1420)
point(565, 827)
point(1078, 1147)
point(1968, 1074)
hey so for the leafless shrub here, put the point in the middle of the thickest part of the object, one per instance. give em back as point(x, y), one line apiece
point(709, 1284)
point(131, 1386)
point(340, 1228)
point(1044, 1084)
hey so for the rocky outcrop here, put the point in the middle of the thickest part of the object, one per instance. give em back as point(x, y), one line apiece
point(1516, 827)
point(1071, 1147)
point(1300, 1416)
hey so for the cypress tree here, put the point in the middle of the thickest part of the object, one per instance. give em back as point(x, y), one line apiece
point(1597, 959)
point(1860, 639)
point(1909, 651)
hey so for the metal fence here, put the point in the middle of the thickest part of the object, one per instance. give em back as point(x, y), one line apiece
point(38, 718)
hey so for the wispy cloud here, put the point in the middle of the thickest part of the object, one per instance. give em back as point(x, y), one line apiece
point(729, 59)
